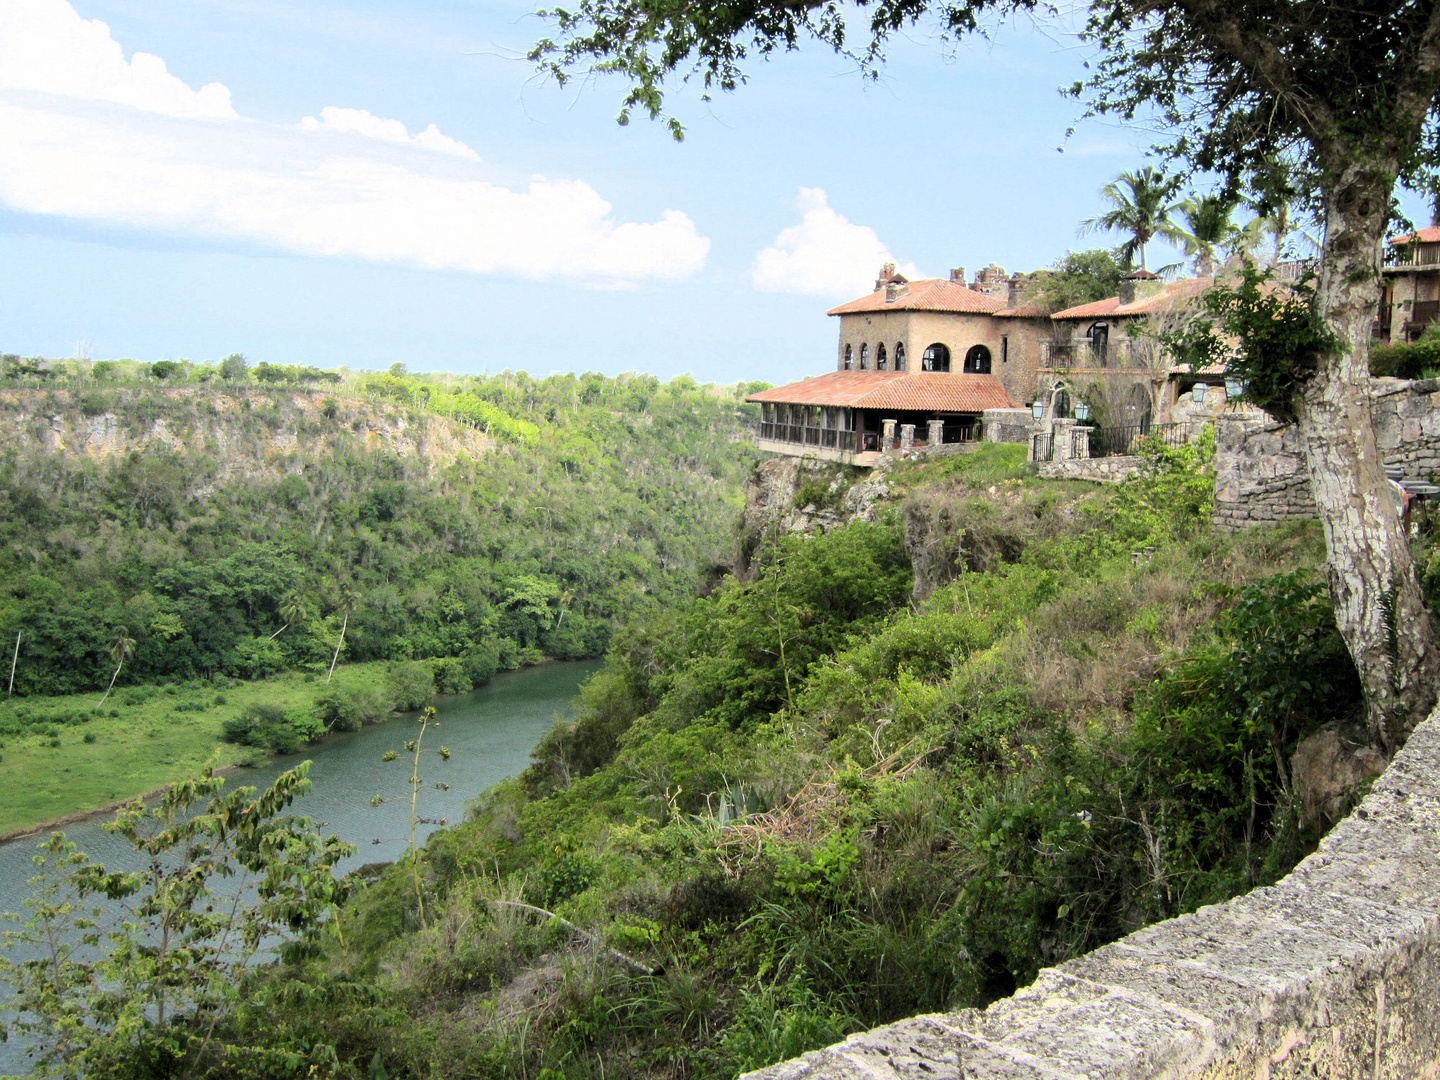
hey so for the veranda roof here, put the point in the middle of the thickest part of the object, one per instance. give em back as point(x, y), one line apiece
point(910, 391)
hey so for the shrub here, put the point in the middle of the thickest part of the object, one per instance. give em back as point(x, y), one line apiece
point(449, 675)
point(89, 736)
point(269, 726)
point(410, 684)
point(349, 710)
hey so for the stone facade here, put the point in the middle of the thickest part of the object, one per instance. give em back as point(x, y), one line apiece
point(1260, 476)
point(1015, 343)
point(1334, 972)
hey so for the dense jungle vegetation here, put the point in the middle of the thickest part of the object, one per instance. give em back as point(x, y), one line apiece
point(269, 517)
point(820, 798)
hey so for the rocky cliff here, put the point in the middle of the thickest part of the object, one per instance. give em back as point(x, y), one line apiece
point(247, 431)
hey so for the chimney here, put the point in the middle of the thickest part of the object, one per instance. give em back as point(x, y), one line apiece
point(1127, 290)
point(894, 290)
point(887, 275)
point(1017, 291)
point(957, 273)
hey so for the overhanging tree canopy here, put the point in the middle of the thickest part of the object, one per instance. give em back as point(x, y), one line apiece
point(1335, 101)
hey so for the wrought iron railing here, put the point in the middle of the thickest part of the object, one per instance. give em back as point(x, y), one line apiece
point(1126, 438)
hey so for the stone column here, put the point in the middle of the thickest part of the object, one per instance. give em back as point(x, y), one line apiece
point(937, 432)
point(907, 436)
point(1064, 445)
point(887, 435)
point(1082, 442)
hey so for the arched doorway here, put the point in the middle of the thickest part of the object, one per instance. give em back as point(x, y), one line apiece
point(935, 358)
point(977, 360)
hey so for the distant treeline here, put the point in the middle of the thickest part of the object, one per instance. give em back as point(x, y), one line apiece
point(605, 498)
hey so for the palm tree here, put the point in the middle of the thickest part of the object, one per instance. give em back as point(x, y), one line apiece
point(1207, 226)
point(348, 602)
point(1142, 209)
point(293, 611)
point(120, 651)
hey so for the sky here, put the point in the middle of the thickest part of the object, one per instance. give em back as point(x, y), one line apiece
point(360, 183)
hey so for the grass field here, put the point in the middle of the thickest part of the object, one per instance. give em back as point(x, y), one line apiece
point(143, 738)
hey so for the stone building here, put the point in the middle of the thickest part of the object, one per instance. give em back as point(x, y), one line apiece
point(918, 362)
point(1410, 300)
point(1115, 342)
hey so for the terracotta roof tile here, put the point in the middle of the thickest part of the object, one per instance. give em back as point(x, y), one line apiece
point(1174, 292)
point(1027, 310)
point(924, 391)
point(1428, 235)
point(931, 294)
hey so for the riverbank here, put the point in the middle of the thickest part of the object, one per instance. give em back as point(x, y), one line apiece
point(143, 739)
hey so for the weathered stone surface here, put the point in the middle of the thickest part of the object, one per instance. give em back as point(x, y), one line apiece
point(1260, 472)
point(1330, 764)
point(1334, 972)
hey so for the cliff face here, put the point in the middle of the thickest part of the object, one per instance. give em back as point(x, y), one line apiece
point(800, 495)
point(247, 431)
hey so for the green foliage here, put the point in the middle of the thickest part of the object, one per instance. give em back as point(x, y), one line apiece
point(1080, 277)
point(1408, 359)
point(273, 728)
point(411, 684)
point(1268, 336)
point(550, 546)
point(150, 983)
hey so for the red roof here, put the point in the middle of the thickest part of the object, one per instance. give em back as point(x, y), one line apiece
point(932, 294)
point(1428, 235)
point(1028, 310)
point(921, 391)
point(1174, 292)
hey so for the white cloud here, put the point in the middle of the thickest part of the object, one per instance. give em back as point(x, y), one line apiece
point(361, 122)
point(46, 46)
point(88, 135)
point(824, 255)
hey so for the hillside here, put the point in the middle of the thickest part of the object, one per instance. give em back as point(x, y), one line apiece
point(194, 533)
point(952, 725)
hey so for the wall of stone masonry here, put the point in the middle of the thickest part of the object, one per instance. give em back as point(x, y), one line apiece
point(1106, 470)
point(1334, 972)
point(1260, 476)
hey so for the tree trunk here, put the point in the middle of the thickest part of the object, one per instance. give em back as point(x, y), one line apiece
point(338, 642)
point(1378, 605)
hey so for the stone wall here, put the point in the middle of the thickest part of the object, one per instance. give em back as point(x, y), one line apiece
point(1105, 470)
point(1334, 972)
point(1260, 476)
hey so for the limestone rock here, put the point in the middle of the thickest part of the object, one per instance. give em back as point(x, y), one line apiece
point(1328, 765)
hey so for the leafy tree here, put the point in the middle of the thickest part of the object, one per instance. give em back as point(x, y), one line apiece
point(1339, 100)
point(1140, 208)
point(174, 950)
point(234, 368)
point(1081, 277)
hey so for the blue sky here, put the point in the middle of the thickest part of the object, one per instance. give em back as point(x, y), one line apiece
point(356, 182)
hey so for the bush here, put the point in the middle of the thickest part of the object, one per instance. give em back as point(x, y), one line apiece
point(481, 662)
point(269, 726)
point(411, 685)
point(1408, 359)
point(449, 675)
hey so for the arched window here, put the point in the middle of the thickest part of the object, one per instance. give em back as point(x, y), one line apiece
point(977, 360)
point(880, 357)
point(935, 358)
point(899, 356)
point(849, 358)
point(864, 356)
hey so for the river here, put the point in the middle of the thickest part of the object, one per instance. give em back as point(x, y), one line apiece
point(489, 732)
